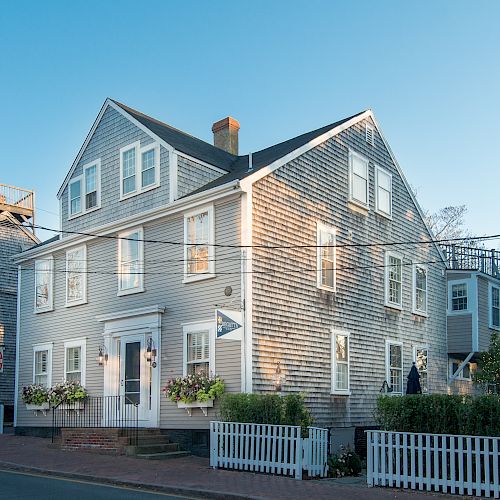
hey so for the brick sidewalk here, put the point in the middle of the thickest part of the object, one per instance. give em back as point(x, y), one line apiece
point(191, 475)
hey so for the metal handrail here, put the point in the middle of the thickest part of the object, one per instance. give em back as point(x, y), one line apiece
point(473, 259)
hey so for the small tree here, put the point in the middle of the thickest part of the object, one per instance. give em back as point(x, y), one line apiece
point(488, 366)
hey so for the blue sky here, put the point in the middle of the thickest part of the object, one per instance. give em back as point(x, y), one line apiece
point(429, 70)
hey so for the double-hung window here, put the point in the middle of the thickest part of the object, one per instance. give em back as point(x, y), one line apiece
point(199, 348)
point(139, 168)
point(494, 307)
point(76, 276)
point(383, 192)
point(358, 179)
point(42, 364)
point(326, 257)
point(393, 280)
point(199, 244)
point(74, 361)
point(340, 363)
point(420, 289)
point(458, 297)
point(44, 280)
point(131, 261)
point(84, 191)
point(394, 366)
point(465, 374)
point(421, 359)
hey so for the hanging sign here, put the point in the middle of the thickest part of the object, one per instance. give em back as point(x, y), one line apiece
point(229, 324)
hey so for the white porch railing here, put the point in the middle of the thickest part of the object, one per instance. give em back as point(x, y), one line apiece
point(275, 449)
point(463, 465)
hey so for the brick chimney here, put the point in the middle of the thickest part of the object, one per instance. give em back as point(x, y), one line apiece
point(226, 134)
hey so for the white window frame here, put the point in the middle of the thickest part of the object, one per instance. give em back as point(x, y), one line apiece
point(210, 273)
point(387, 302)
point(83, 190)
point(420, 312)
point(450, 297)
point(491, 286)
point(50, 305)
point(378, 171)
point(82, 343)
point(126, 234)
point(353, 154)
point(460, 376)
point(197, 326)
point(370, 132)
point(44, 347)
point(138, 168)
point(388, 344)
point(334, 390)
point(83, 300)
point(322, 228)
point(424, 347)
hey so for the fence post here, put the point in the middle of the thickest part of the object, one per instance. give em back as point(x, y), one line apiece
point(298, 454)
point(369, 458)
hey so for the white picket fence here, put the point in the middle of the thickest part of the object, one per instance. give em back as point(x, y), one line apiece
point(275, 449)
point(463, 465)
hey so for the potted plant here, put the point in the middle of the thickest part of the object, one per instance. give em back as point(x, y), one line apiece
point(36, 398)
point(68, 395)
point(197, 390)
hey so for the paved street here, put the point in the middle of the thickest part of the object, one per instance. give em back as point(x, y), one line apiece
point(17, 486)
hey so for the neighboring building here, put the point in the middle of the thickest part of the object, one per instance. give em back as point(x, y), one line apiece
point(473, 309)
point(339, 322)
point(16, 209)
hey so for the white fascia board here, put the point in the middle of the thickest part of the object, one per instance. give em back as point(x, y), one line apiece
point(125, 223)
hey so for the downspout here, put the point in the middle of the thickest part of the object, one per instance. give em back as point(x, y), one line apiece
point(18, 335)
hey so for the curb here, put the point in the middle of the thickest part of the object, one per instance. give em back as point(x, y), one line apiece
point(172, 490)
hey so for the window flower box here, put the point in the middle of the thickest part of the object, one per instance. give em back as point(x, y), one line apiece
point(36, 408)
point(202, 405)
point(75, 405)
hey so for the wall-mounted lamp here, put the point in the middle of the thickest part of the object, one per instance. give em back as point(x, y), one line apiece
point(102, 357)
point(151, 353)
point(278, 378)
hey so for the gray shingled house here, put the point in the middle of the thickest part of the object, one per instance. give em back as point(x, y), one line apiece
point(159, 229)
point(16, 209)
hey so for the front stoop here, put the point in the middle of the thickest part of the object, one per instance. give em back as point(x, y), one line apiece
point(155, 446)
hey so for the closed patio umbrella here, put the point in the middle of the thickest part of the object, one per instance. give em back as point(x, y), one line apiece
point(413, 385)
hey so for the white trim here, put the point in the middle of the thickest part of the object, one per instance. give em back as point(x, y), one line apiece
point(378, 210)
point(83, 190)
point(369, 133)
point(323, 228)
point(82, 343)
point(173, 180)
point(490, 305)
point(422, 347)
point(157, 162)
point(74, 180)
point(425, 313)
point(129, 147)
point(351, 199)
point(387, 302)
point(44, 347)
point(18, 342)
point(83, 300)
point(181, 205)
point(468, 285)
point(459, 374)
point(50, 305)
point(208, 325)
point(125, 234)
point(130, 313)
point(333, 362)
point(210, 273)
point(201, 162)
point(388, 343)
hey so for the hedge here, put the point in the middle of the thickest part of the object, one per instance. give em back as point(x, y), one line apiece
point(440, 414)
point(265, 409)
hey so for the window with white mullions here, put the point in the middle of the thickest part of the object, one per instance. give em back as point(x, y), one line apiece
point(148, 171)
point(75, 196)
point(43, 284)
point(199, 238)
point(198, 355)
point(394, 366)
point(41, 368)
point(420, 289)
point(383, 191)
point(358, 179)
point(74, 361)
point(393, 280)
point(131, 261)
point(459, 297)
point(340, 363)
point(91, 196)
point(128, 171)
point(326, 257)
point(495, 307)
point(76, 276)
point(421, 358)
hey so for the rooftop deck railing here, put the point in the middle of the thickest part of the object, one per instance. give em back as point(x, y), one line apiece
point(473, 259)
point(16, 197)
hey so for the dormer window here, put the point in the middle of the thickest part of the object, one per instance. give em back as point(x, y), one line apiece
point(84, 190)
point(139, 168)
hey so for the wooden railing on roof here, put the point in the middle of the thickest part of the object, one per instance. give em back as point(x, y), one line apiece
point(473, 259)
point(16, 200)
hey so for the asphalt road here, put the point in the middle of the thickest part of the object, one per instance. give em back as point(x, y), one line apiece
point(16, 486)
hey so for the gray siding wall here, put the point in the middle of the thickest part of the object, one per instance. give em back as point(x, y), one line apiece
point(113, 133)
point(459, 333)
point(292, 318)
point(484, 313)
point(192, 175)
point(12, 241)
point(163, 282)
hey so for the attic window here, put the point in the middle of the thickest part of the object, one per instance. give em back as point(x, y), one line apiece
point(370, 135)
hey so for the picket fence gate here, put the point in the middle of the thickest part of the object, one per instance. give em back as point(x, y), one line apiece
point(463, 465)
point(274, 449)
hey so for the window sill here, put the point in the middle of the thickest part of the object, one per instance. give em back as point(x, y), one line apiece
point(326, 288)
point(340, 393)
point(194, 277)
point(459, 313)
point(127, 196)
point(358, 207)
point(493, 327)
point(395, 307)
point(76, 303)
point(383, 214)
point(90, 210)
point(422, 314)
point(44, 310)
point(132, 291)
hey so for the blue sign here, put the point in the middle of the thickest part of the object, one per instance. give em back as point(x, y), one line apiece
point(225, 324)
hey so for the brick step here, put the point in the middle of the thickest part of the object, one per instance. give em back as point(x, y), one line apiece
point(147, 449)
point(163, 456)
point(153, 440)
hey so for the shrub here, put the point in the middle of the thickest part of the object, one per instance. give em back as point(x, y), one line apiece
point(35, 395)
point(194, 387)
point(265, 409)
point(345, 463)
point(440, 414)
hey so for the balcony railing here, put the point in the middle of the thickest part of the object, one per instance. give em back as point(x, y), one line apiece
point(473, 259)
point(16, 200)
